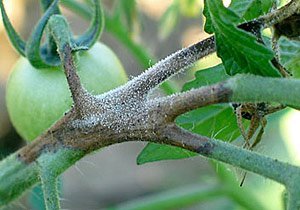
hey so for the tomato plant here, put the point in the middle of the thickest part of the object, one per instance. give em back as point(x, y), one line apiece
point(36, 98)
point(255, 77)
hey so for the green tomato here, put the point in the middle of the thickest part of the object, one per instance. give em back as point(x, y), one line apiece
point(37, 98)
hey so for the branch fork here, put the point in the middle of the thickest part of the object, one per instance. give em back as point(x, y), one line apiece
point(127, 114)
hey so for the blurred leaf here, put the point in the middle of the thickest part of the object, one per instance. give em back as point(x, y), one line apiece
point(239, 50)
point(178, 198)
point(189, 8)
point(216, 121)
point(129, 11)
point(169, 21)
point(126, 13)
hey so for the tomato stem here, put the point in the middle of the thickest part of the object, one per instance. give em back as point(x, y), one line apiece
point(38, 57)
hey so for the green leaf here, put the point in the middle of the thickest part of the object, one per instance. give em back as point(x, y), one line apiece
point(156, 152)
point(267, 5)
point(239, 50)
point(189, 8)
point(216, 121)
point(34, 53)
point(129, 10)
point(250, 9)
point(207, 76)
point(208, 26)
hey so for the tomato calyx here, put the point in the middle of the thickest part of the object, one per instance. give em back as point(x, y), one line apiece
point(45, 55)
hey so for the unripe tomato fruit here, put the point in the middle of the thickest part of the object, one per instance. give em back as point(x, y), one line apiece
point(37, 98)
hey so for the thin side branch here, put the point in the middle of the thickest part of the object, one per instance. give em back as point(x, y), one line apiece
point(169, 66)
point(73, 79)
point(184, 58)
point(72, 138)
point(59, 30)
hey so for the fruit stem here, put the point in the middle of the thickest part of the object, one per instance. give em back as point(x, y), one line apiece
point(59, 29)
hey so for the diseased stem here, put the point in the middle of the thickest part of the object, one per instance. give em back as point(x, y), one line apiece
point(58, 27)
point(228, 153)
point(239, 89)
point(64, 145)
point(126, 114)
point(170, 65)
point(116, 28)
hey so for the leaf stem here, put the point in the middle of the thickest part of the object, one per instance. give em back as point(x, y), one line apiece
point(51, 45)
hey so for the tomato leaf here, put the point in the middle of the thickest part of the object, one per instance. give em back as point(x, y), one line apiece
point(207, 76)
point(156, 152)
point(208, 26)
point(250, 9)
point(239, 50)
point(216, 121)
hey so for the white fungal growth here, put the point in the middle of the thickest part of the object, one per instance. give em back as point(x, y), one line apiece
point(127, 108)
